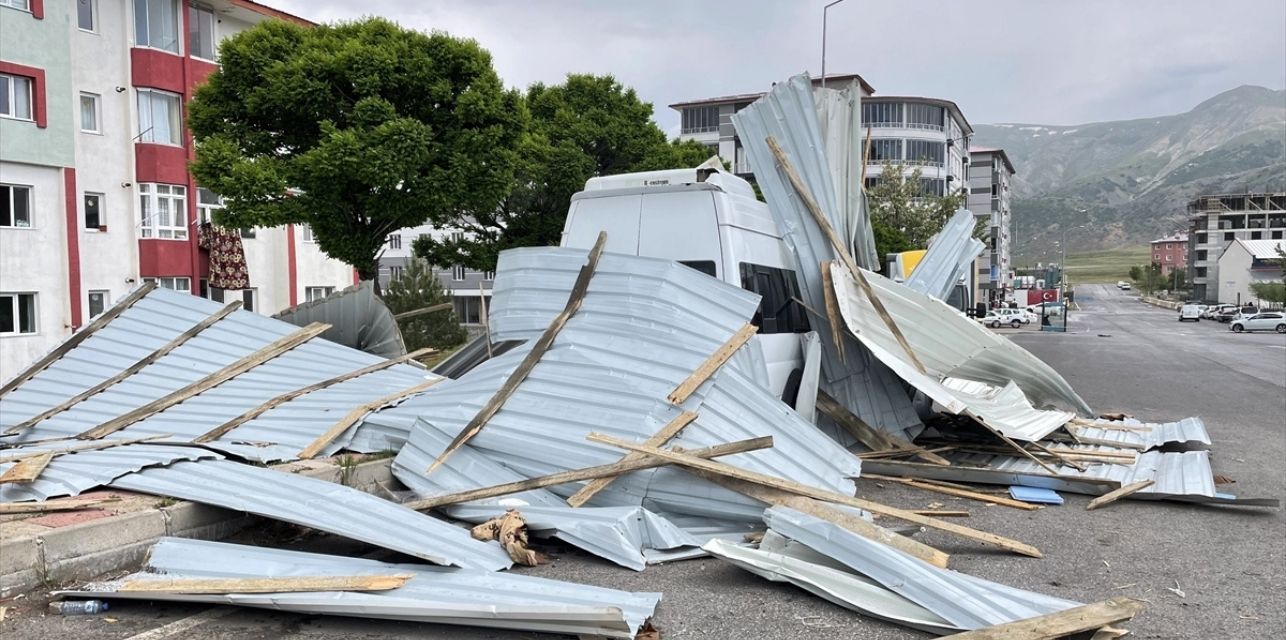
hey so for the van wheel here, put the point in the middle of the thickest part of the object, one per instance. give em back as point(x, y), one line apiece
point(1236, 328)
point(1014, 324)
point(790, 393)
point(1281, 328)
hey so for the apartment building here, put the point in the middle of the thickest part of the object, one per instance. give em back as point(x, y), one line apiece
point(990, 174)
point(95, 196)
point(928, 134)
point(1171, 252)
point(469, 289)
point(1247, 262)
point(1218, 220)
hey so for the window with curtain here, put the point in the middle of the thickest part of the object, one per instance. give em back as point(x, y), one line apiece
point(85, 18)
point(926, 152)
point(89, 113)
point(156, 24)
point(882, 114)
point(200, 32)
point(15, 96)
point(886, 149)
point(163, 209)
point(158, 117)
point(925, 116)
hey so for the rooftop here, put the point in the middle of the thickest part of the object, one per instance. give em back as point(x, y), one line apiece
point(951, 106)
point(1178, 237)
point(994, 150)
point(751, 97)
point(1261, 248)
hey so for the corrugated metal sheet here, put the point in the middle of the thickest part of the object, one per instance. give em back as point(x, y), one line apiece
point(949, 257)
point(433, 594)
point(326, 506)
point(839, 119)
point(278, 434)
point(357, 319)
point(965, 601)
point(74, 473)
point(788, 114)
point(1006, 409)
point(946, 342)
point(1190, 432)
point(644, 325)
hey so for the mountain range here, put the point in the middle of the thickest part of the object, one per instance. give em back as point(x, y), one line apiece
point(1127, 182)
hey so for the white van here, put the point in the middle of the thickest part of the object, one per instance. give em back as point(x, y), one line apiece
point(708, 220)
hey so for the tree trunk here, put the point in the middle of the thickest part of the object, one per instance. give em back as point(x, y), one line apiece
point(371, 272)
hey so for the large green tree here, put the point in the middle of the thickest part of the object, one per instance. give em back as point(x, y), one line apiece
point(903, 215)
point(587, 126)
point(355, 129)
point(415, 289)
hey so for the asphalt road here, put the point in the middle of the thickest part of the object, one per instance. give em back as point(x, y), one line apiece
point(1121, 355)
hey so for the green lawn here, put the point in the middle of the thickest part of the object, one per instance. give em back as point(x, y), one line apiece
point(1106, 266)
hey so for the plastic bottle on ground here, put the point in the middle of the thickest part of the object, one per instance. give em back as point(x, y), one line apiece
point(78, 607)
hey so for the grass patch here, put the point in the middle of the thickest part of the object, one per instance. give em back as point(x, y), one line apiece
point(1106, 266)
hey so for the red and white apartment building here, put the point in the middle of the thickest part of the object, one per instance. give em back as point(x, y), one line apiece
point(1171, 252)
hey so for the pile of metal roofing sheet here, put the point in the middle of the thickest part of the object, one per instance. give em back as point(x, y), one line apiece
point(1186, 433)
point(279, 433)
point(839, 120)
point(357, 319)
point(1005, 409)
point(433, 594)
point(948, 259)
point(322, 505)
point(71, 474)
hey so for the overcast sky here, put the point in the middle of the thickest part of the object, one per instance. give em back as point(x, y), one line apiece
point(1033, 61)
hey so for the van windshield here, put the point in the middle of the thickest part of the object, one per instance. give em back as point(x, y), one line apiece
point(779, 309)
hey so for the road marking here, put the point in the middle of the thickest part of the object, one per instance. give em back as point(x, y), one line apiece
point(183, 624)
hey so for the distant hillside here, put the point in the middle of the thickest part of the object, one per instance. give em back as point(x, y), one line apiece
point(1133, 178)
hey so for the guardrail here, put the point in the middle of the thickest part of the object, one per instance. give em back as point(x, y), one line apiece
point(1164, 304)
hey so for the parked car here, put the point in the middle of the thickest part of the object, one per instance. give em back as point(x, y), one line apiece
point(995, 318)
point(1270, 321)
point(1125, 286)
point(1051, 309)
point(1120, 284)
point(1226, 313)
point(1190, 312)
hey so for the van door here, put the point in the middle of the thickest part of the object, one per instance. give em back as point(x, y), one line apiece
point(780, 319)
point(617, 215)
point(681, 226)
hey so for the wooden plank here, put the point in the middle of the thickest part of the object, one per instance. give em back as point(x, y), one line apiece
point(84, 446)
point(529, 362)
point(1057, 625)
point(833, 316)
point(840, 249)
point(419, 312)
point(221, 430)
point(1014, 445)
point(588, 473)
point(1109, 498)
point(820, 494)
point(960, 493)
point(78, 337)
point(941, 514)
point(721, 355)
point(293, 584)
point(130, 370)
point(242, 365)
point(661, 437)
point(10, 508)
point(26, 471)
point(352, 417)
point(1057, 456)
point(870, 436)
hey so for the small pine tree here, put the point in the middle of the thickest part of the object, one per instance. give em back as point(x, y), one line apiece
point(418, 288)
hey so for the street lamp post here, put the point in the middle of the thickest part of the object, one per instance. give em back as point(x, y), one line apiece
point(824, 10)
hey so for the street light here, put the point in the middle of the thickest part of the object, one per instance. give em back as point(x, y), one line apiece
point(824, 10)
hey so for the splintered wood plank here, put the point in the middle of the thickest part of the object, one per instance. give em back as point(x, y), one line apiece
point(26, 471)
point(8, 508)
point(1057, 625)
point(702, 373)
point(351, 418)
point(266, 585)
point(85, 446)
point(833, 316)
point(1109, 498)
point(960, 493)
point(529, 362)
point(873, 438)
point(661, 437)
point(426, 310)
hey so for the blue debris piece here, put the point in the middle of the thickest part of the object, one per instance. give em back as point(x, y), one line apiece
point(1035, 494)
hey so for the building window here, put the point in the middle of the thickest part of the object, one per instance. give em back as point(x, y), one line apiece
point(881, 114)
point(886, 150)
point(395, 272)
point(995, 190)
point(1256, 235)
point(1277, 235)
point(207, 203)
point(200, 32)
point(457, 273)
point(17, 313)
point(94, 211)
point(932, 187)
point(306, 233)
point(488, 276)
point(317, 293)
point(1201, 254)
point(164, 211)
point(16, 4)
point(395, 241)
point(15, 206)
point(15, 97)
point(158, 117)
point(156, 24)
point(873, 181)
point(925, 152)
point(925, 116)
point(89, 113)
point(98, 302)
point(249, 298)
point(699, 119)
point(1229, 237)
point(173, 283)
point(86, 17)
point(1201, 272)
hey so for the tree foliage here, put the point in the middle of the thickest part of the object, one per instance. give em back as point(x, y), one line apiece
point(903, 214)
point(418, 288)
point(1269, 291)
point(355, 129)
point(1148, 277)
point(587, 126)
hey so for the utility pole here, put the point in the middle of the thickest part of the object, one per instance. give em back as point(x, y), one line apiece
point(824, 10)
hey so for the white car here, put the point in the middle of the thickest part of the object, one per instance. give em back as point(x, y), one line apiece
point(1190, 312)
point(1052, 309)
point(1269, 321)
point(1013, 317)
point(1125, 286)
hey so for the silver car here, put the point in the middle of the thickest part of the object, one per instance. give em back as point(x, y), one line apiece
point(1269, 321)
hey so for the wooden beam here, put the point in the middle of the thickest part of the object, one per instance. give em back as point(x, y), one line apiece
point(84, 446)
point(702, 373)
point(538, 349)
point(960, 493)
point(130, 370)
point(840, 249)
point(352, 417)
point(1109, 498)
point(1014, 445)
point(26, 471)
point(419, 312)
point(870, 436)
point(941, 513)
point(819, 494)
point(242, 365)
point(293, 584)
point(1057, 625)
point(77, 338)
point(661, 437)
point(588, 473)
point(1057, 456)
point(833, 316)
point(221, 430)
point(10, 508)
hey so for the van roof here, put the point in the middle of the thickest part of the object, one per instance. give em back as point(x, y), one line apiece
point(723, 180)
point(744, 210)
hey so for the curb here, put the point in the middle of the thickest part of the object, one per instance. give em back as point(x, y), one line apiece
point(1156, 302)
point(118, 542)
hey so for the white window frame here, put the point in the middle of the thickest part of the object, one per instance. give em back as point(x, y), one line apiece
point(93, 15)
point(10, 88)
point(147, 117)
point(395, 272)
point(21, 5)
point(179, 32)
point(173, 283)
point(151, 195)
point(12, 298)
point(395, 241)
point(97, 102)
point(105, 301)
point(13, 190)
point(306, 233)
point(102, 210)
point(317, 293)
point(214, 41)
point(205, 210)
point(457, 273)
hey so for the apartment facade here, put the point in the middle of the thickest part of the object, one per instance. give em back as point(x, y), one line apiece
point(927, 134)
point(1218, 220)
point(470, 290)
point(990, 175)
point(95, 196)
point(1171, 252)
point(1246, 262)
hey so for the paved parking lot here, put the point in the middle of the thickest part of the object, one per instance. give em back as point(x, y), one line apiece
point(1121, 355)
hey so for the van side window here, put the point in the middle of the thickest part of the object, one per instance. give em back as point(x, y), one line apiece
point(704, 266)
point(778, 310)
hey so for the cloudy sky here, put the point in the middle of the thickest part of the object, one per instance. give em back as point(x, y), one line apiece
point(1033, 61)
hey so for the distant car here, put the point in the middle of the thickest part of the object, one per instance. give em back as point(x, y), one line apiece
point(1270, 321)
point(1051, 308)
point(994, 319)
point(1226, 313)
point(1125, 286)
point(1190, 312)
point(1120, 284)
